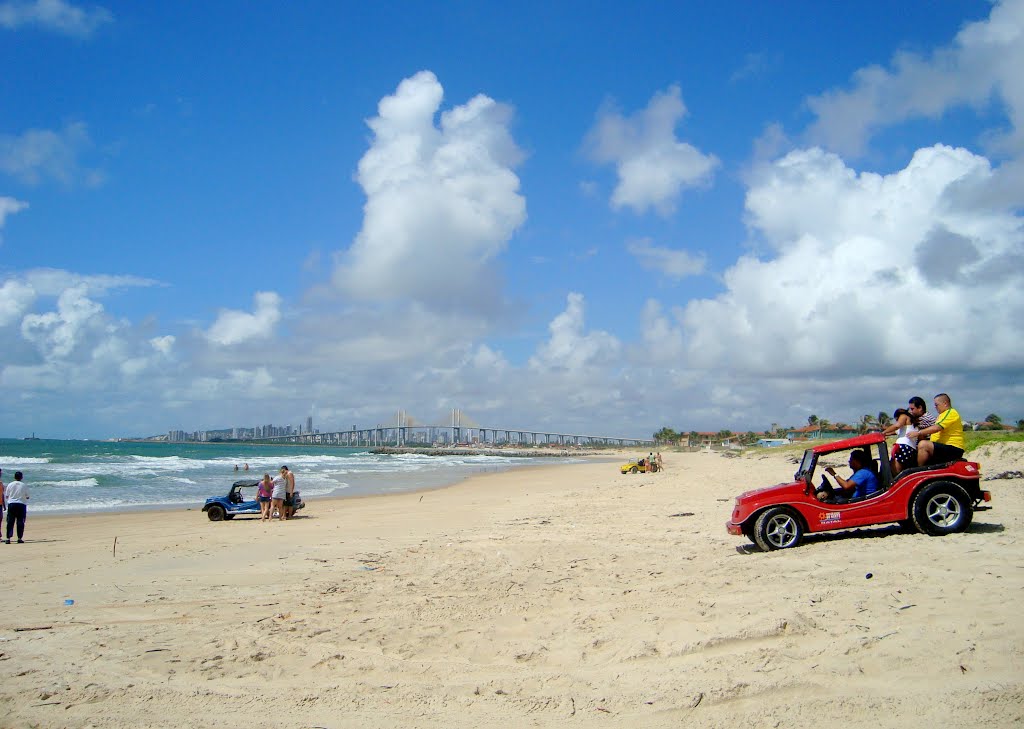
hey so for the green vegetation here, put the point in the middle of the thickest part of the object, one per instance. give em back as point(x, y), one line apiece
point(667, 435)
point(975, 438)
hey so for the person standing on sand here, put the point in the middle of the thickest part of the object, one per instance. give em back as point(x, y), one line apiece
point(289, 498)
point(3, 501)
point(657, 460)
point(263, 496)
point(16, 496)
point(277, 496)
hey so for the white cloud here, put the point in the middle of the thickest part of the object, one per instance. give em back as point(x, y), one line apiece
point(76, 331)
point(653, 166)
point(9, 206)
point(871, 274)
point(56, 334)
point(20, 293)
point(53, 281)
point(16, 297)
point(570, 348)
point(982, 62)
point(41, 154)
point(669, 262)
point(442, 201)
point(663, 337)
point(164, 345)
point(234, 327)
point(755, 65)
point(56, 15)
point(238, 383)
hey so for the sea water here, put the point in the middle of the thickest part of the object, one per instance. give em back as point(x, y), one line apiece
point(84, 476)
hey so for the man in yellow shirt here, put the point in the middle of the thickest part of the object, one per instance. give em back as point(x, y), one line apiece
point(946, 441)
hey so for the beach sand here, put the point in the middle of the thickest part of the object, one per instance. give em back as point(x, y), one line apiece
point(563, 595)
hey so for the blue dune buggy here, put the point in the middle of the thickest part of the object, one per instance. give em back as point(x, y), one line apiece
point(219, 508)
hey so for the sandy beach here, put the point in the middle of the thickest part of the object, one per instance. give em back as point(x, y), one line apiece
point(562, 595)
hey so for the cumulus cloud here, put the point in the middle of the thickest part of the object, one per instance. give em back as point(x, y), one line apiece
point(669, 262)
point(237, 383)
point(570, 347)
point(42, 154)
point(9, 206)
point(653, 166)
point(55, 15)
point(442, 200)
point(869, 273)
point(662, 335)
point(164, 345)
point(57, 333)
point(983, 62)
point(235, 327)
point(16, 297)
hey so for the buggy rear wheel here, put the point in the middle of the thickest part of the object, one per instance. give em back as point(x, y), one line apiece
point(941, 508)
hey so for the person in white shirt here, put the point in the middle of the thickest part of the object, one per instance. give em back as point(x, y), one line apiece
point(16, 496)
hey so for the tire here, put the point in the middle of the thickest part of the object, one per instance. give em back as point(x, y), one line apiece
point(777, 528)
point(634, 469)
point(941, 508)
point(216, 513)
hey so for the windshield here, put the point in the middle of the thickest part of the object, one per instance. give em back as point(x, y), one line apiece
point(806, 466)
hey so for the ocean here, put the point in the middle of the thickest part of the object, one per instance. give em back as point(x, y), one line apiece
point(73, 476)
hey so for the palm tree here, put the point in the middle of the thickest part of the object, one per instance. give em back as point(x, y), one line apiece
point(812, 419)
point(666, 435)
point(883, 419)
point(994, 420)
point(823, 425)
point(867, 423)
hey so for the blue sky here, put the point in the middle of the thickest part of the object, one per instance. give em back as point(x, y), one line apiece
point(601, 218)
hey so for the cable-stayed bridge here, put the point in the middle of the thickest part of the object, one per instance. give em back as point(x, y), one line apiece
point(462, 430)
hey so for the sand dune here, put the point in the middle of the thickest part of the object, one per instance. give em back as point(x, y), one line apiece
point(555, 596)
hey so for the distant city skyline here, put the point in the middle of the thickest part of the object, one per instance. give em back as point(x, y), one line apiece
point(240, 432)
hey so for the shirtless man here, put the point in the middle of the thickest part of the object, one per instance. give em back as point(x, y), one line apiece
point(289, 502)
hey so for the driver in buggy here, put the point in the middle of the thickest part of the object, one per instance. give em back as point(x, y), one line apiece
point(862, 482)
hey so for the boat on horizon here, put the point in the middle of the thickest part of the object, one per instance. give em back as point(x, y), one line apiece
point(33, 437)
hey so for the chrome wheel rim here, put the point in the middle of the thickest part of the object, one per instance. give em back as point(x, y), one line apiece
point(943, 510)
point(781, 530)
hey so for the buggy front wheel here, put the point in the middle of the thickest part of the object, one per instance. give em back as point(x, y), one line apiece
point(777, 528)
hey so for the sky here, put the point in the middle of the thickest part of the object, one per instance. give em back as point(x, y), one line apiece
point(597, 218)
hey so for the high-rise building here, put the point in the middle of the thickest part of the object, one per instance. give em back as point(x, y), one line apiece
point(309, 424)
